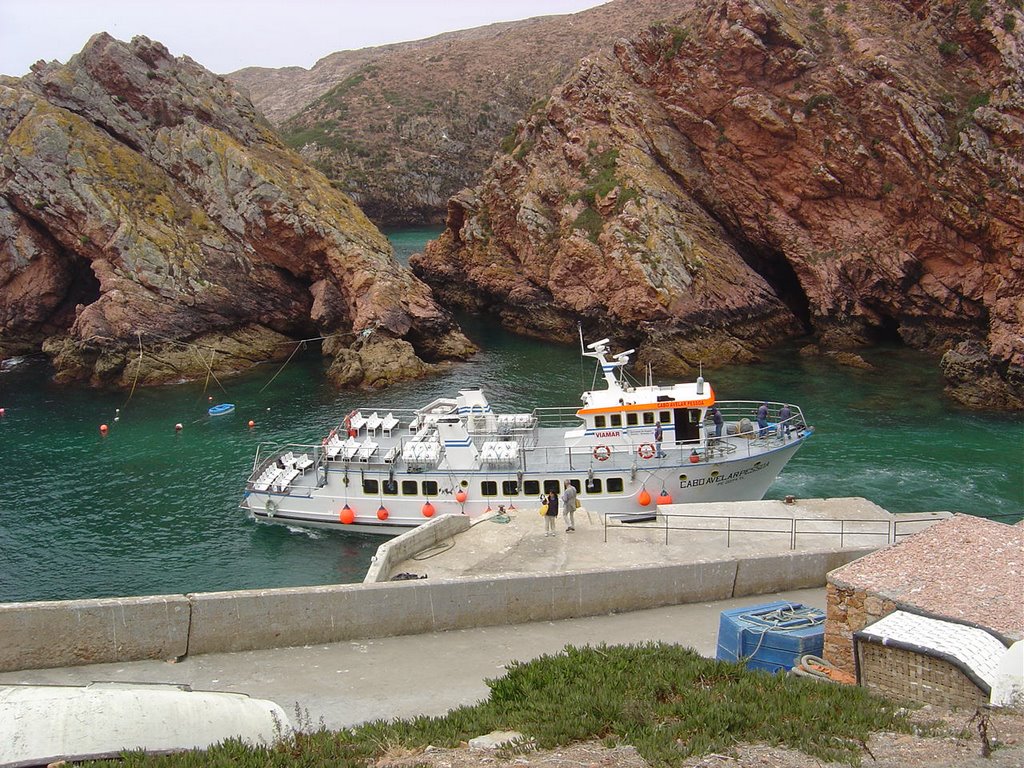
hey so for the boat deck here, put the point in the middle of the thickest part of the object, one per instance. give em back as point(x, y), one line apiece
point(395, 444)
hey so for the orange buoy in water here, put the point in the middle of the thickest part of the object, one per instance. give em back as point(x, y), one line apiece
point(664, 498)
point(346, 515)
point(461, 496)
point(251, 423)
point(104, 429)
point(644, 498)
point(382, 513)
point(428, 509)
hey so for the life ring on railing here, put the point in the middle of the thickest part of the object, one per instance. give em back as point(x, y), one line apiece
point(645, 451)
point(602, 452)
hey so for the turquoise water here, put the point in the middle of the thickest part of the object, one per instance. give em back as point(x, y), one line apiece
point(148, 510)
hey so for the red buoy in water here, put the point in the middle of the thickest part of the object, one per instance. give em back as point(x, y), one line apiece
point(178, 427)
point(251, 423)
point(104, 429)
point(346, 515)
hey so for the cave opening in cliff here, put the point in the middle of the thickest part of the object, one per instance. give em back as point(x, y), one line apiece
point(887, 331)
point(779, 274)
point(83, 289)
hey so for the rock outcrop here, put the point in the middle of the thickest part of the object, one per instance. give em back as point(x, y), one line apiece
point(757, 169)
point(403, 127)
point(153, 226)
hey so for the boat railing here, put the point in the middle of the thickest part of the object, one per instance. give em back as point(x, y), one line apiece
point(800, 531)
point(734, 412)
point(563, 416)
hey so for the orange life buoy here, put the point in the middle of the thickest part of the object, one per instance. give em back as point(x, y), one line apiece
point(646, 451)
point(602, 452)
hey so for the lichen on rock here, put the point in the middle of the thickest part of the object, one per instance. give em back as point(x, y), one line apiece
point(752, 171)
point(144, 202)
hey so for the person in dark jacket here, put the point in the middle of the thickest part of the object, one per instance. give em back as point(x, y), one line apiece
point(762, 420)
point(549, 518)
point(716, 417)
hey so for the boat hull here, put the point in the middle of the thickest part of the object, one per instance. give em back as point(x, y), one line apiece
point(319, 503)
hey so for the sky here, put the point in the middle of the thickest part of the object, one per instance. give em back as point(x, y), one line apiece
point(226, 35)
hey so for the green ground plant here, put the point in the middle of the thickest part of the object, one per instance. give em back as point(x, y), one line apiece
point(667, 701)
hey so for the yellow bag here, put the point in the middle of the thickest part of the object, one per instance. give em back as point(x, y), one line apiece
point(578, 505)
point(543, 510)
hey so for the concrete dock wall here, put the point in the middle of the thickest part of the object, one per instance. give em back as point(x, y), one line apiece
point(74, 632)
point(40, 635)
point(422, 537)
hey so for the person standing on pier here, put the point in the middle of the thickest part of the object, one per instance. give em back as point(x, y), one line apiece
point(552, 513)
point(569, 506)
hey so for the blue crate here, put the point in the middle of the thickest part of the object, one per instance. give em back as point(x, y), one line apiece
point(772, 636)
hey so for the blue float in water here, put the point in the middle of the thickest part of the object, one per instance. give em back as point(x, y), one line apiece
point(772, 636)
point(221, 409)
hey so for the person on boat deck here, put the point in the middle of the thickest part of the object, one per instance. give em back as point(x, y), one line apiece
point(762, 420)
point(549, 518)
point(716, 417)
point(569, 506)
point(784, 414)
point(657, 441)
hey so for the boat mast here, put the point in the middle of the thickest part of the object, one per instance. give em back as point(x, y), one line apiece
point(608, 367)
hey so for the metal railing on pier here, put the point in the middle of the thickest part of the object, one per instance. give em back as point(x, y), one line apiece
point(849, 531)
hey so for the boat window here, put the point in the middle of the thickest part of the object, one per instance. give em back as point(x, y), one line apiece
point(632, 420)
point(370, 486)
point(390, 487)
point(648, 417)
point(552, 485)
point(489, 488)
point(616, 419)
point(575, 484)
point(599, 422)
point(615, 485)
point(531, 487)
point(430, 488)
point(409, 488)
point(593, 485)
point(665, 416)
point(509, 488)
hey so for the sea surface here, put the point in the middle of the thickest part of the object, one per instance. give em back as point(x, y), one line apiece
point(150, 510)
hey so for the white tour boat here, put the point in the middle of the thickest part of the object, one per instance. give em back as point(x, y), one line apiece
point(386, 471)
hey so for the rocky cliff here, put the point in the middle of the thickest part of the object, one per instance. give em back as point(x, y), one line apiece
point(402, 127)
point(757, 169)
point(153, 226)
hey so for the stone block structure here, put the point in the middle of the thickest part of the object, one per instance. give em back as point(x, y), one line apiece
point(965, 569)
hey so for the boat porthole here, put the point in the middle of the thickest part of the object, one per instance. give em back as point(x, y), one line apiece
point(714, 473)
point(682, 478)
